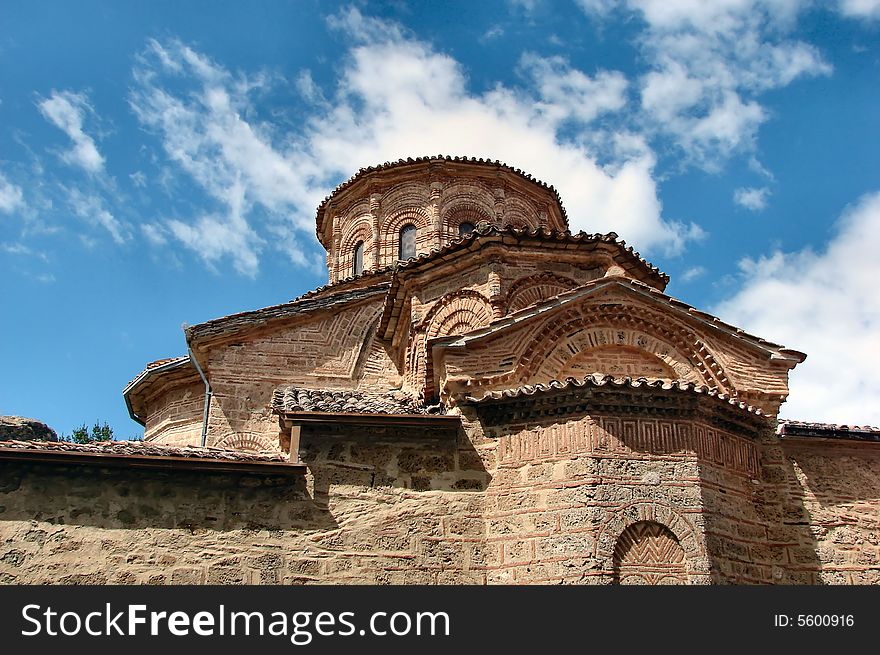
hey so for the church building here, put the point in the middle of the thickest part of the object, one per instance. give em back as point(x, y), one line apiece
point(480, 396)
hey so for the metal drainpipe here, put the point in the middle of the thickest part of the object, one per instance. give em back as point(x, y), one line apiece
point(208, 391)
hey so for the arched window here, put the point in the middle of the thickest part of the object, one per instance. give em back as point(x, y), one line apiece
point(407, 241)
point(465, 228)
point(358, 261)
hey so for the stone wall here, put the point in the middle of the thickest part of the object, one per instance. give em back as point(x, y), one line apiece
point(175, 415)
point(838, 485)
point(589, 499)
point(383, 513)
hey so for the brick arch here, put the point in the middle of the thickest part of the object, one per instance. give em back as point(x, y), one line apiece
point(455, 313)
point(359, 231)
point(462, 311)
point(519, 213)
point(533, 289)
point(404, 195)
point(610, 349)
point(682, 342)
point(463, 210)
point(647, 553)
point(612, 538)
point(246, 442)
point(620, 361)
point(389, 239)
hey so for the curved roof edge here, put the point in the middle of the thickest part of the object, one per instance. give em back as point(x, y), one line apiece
point(152, 370)
point(428, 159)
point(597, 380)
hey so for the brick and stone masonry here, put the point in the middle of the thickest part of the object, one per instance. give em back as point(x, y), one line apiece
point(478, 396)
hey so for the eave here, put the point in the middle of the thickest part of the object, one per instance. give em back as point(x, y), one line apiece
point(165, 463)
point(146, 377)
point(684, 311)
point(481, 238)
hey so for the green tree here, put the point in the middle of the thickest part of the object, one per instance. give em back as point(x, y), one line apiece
point(99, 432)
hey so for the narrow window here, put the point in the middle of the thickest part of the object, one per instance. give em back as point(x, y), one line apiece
point(465, 228)
point(407, 241)
point(358, 264)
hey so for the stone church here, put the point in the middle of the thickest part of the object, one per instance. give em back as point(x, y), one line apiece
point(477, 396)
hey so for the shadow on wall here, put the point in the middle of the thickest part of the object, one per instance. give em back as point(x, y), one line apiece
point(757, 530)
point(404, 458)
point(114, 498)
point(839, 485)
point(734, 494)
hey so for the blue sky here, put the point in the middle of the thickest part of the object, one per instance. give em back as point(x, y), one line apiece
point(160, 163)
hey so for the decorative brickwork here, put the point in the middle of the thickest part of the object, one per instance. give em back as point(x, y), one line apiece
point(514, 405)
point(535, 288)
point(648, 553)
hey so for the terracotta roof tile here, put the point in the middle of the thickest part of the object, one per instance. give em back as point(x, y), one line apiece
point(598, 380)
point(303, 304)
point(145, 448)
point(343, 401)
point(828, 430)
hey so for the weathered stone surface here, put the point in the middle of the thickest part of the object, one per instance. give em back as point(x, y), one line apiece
point(609, 433)
point(25, 429)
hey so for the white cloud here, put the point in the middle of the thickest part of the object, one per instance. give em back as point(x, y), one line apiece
point(710, 62)
point(11, 196)
point(868, 9)
point(91, 208)
point(751, 198)
point(693, 273)
point(214, 237)
point(154, 233)
point(206, 133)
point(398, 97)
point(569, 94)
point(307, 88)
point(395, 97)
point(138, 179)
point(494, 32)
point(67, 111)
point(825, 304)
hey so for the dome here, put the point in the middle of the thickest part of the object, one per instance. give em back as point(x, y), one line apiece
point(396, 211)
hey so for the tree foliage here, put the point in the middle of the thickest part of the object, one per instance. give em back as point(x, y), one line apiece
point(99, 432)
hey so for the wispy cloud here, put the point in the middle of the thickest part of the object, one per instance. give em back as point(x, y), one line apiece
point(865, 9)
point(711, 61)
point(825, 304)
point(205, 133)
point(693, 273)
point(396, 96)
point(90, 207)
point(569, 94)
point(751, 198)
point(67, 111)
point(11, 196)
point(138, 179)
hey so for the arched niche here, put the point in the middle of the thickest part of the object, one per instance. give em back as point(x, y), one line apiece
point(245, 442)
point(533, 289)
point(614, 351)
point(559, 338)
point(458, 313)
point(461, 211)
point(648, 553)
point(360, 232)
point(455, 313)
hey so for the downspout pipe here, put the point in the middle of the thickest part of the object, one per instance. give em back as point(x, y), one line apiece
point(208, 391)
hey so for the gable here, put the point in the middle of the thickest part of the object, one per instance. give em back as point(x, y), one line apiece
point(610, 328)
